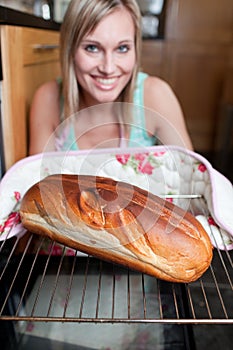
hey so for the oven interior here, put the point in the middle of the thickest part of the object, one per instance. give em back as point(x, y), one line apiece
point(88, 296)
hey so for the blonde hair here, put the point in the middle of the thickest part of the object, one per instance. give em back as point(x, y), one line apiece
point(82, 16)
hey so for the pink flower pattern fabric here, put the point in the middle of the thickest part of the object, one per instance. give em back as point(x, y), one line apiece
point(13, 218)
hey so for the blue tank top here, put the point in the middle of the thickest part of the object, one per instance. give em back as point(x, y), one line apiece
point(139, 136)
point(138, 133)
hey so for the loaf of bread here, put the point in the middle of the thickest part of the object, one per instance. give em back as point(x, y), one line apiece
point(120, 223)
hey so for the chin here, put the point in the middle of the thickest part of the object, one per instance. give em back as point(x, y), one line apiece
point(108, 99)
point(107, 96)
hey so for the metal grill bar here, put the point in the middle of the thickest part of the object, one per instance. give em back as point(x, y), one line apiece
point(113, 293)
point(29, 276)
point(85, 290)
point(160, 300)
point(16, 274)
point(144, 297)
point(218, 291)
point(70, 284)
point(41, 282)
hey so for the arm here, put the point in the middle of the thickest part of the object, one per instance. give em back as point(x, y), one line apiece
point(169, 124)
point(44, 118)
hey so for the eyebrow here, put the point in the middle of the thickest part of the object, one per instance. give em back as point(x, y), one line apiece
point(86, 40)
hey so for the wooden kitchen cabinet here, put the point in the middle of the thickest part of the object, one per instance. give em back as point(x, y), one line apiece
point(197, 73)
point(203, 21)
point(152, 56)
point(199, 41)
point(195, 58)
point(30, 56)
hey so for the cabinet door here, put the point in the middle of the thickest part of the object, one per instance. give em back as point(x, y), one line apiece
point(201, 21)
point(196, 73)
point(152, 57)
point(29, 58)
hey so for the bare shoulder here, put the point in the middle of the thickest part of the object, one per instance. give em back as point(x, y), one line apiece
point(47, 90)
point(156, 91)
point(44, 115)
point(159, 96)
point(45, 103)
point(169, 123)
point(152, 81)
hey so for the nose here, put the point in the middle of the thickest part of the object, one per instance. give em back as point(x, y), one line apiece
point(107, 65)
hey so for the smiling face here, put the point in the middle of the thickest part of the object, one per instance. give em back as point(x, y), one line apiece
point(105, 59)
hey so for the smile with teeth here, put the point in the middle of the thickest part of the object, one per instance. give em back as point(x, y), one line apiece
point(106, 81)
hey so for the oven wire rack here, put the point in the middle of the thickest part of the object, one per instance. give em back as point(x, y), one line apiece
point(81, 288)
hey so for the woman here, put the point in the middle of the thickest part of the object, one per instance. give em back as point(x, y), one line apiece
point(100, 59)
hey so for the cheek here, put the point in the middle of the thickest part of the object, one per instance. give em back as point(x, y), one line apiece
point(129, 62)
point(82, 63)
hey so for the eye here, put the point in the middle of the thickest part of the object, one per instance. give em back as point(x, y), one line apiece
point(91, 48)
point(123, 48)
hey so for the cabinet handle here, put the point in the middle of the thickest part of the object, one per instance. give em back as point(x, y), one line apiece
point(44, 47)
